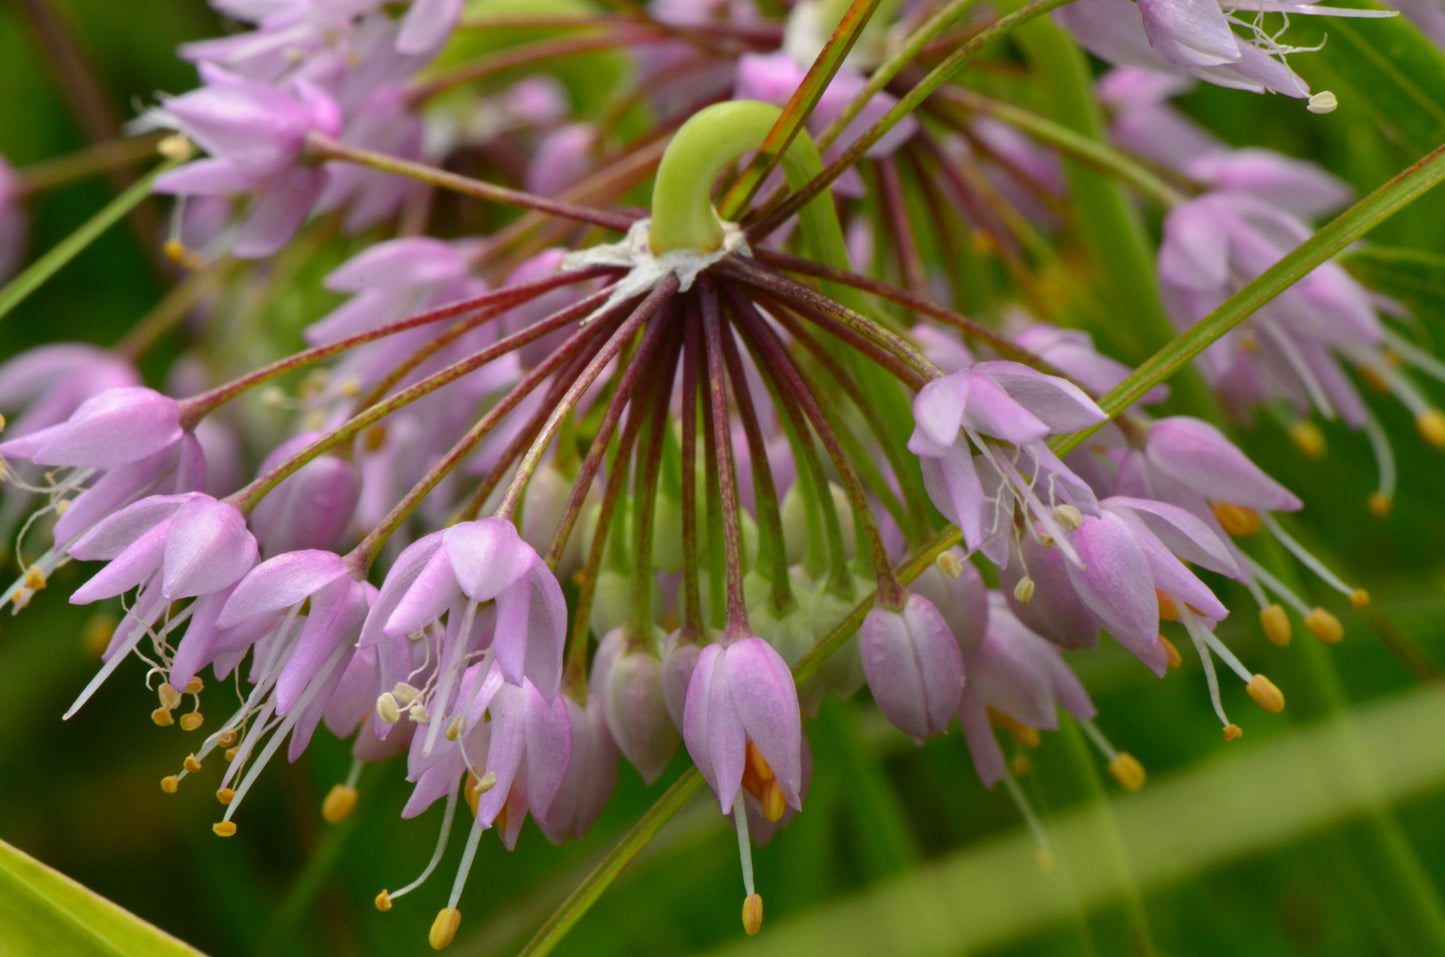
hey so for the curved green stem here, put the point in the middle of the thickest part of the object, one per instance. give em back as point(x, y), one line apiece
point(683, 217)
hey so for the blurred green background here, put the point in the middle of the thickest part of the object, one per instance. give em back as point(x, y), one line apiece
point(1321, 832)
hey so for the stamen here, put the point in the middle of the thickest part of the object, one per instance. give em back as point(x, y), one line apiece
point(753, 913)
point(192, 721)
point(170, 784)
point(1124, 767)
point(1236, 519)
point(1069, 517)
point(224, 828)
point(444, 928)
point(386, 708)
point(1276, 624)
point(1024, 590)
point(1277, 586)
point(225, 795)
point(469, 854)
point(1322, 102)
point(1265, 694)
point(340, 801)
point(1325, 626)
point(1309, 439)
point(162, 717)
point(950, 565)
point(1171, 653)
point(1168, 611)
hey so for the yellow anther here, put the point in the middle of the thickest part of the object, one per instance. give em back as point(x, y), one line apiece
point(170, 784)
point(1171, 653)
point(949, 564)
point(21, 600)
point(175, 251)
point(1322, 102)
point(1127, 770)
point(231, 754)
point(374, 438)
point(1020, 765)
point(98, 632)
point(418, 713)
point(774, 804)
point(1374, 378)
point(162, 717)
point(1021, 733)
point(1233, 732)
point(1168, 611)
point(226, 738)
point(224, 828)
point(34, 578)
point(339, 803)
point(1024, 590)
point(225, 795)
point(169, 696)
point(455, 728)
point(757, 764)
point(444, 928)
point(1069, 517)
point(192, 721)
point(404, 694)
point(386, 708)
point(1308, 438)
point(192, 764)
point(1359, 598)
point(195, 686)
point(1380, 504)
point(1431, 425)
point(1265, 694)
point(350, 387)
point(1275, 622)
point(176, 147)
point(753, 913)
point(383, 901)
point(1326, 627)
point(1236, 519)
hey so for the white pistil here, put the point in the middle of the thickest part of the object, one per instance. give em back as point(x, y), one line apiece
point(439, 850)
point(1197, 634)
point(1306, 558)
point(745, 846)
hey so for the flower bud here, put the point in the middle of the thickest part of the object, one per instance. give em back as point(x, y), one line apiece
point(914, 667)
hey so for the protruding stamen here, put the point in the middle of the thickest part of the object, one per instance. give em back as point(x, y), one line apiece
point(404, 694)
point(1380, 504)
point(1322, 102)
point(1265, 694)
point(192, 721)
point(338, 804)
point(1026, 811)
point(1275, 622)
point(170, 697)
point(1196, 634)
point(383, 901)
point(192, 763)
point(1383, 497)
point(386, 708)
point(1021, 733)
point(1233, 732)
point(444, 928)
point(1309, 439)
point(1024, 590)
point(1236, 519)
point(753, 913)
point(195, 685)
point(1069, 517)
point(1359, 598)
point(162, 717)
point(431, 865)
point(225, 795)
point(1431, 426)
point(1325, 626)
point(1171, 653)
point(1127, 770)
point(170, 784)
point(950, 565)
point(224, 828)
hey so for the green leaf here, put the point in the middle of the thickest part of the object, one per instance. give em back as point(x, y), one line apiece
point(43, 912)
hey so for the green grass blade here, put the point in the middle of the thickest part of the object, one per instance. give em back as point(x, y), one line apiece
point(53, 261)
point(44, 912)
